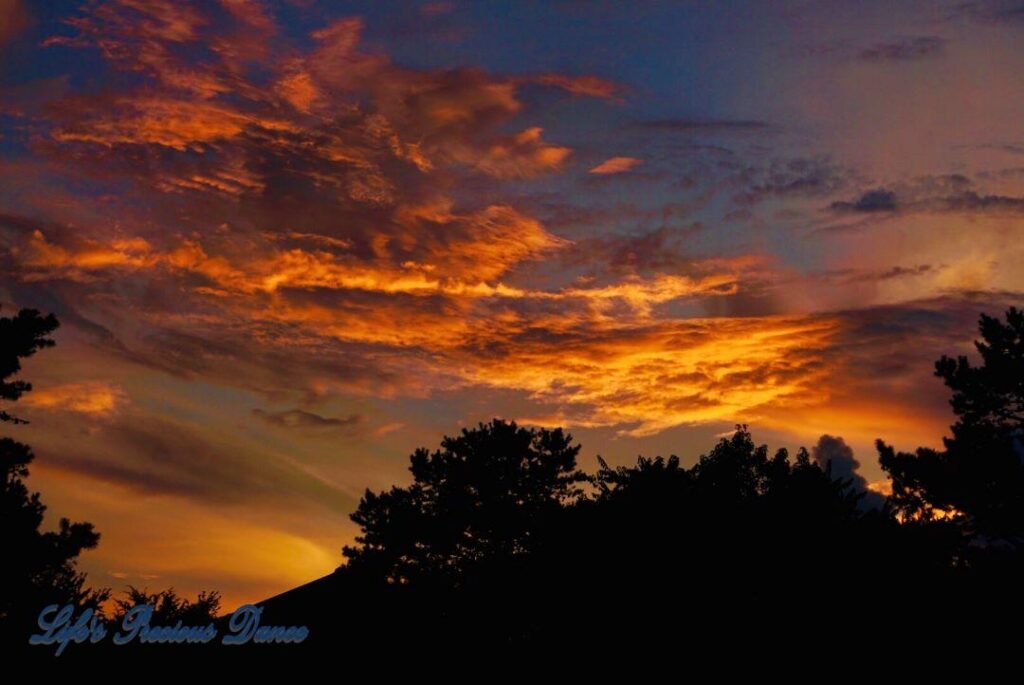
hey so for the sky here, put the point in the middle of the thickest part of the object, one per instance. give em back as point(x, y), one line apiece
point(290, 242)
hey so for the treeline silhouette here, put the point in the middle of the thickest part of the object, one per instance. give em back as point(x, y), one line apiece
point(502, 543)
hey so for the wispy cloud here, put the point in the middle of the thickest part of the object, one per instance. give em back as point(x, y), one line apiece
point(904, 49)
point(616, 165)
point(305, 420)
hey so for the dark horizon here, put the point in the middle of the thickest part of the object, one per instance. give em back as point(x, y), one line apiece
point(499, 528)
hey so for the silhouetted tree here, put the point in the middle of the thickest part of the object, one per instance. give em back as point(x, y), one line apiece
point(483, 495)
point(979, 478)
point(497, 536)
point(500, 542)
point(169, 607)
point(734, 538)
point(39, 568)
point(21, 336)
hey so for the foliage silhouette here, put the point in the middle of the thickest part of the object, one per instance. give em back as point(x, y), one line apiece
point(169, 607)
point(499, 531)
point(21, 336)
point(740, 538)
point(978, 479)
point(501, 543)
point(39, 567)
point(481, 497)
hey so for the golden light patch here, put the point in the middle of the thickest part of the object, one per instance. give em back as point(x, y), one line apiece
point(92, 397)
point(201, 547)
point(882, 487)
point(667, 374)
point(862, 419)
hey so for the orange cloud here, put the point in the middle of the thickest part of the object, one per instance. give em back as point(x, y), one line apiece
point(601, 351)
point(520, 156)
point(645, 379)
point(501, 240)
point(93, 397)
point(590, 86)
point(229, 181)
point(48, 260)
point(308, 205)
point(178, 124)
point(299, 90)
point(616, 165)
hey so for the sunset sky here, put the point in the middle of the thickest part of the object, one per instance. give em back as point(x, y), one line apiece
point(289, 242)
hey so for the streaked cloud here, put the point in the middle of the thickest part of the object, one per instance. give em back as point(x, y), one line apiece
point(302, 419)
point(590, 86)
point(904, 49)
point(616, 165)
point(645, 379)
point(878, 200)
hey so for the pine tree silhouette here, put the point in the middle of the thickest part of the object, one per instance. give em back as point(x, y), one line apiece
point(39, 567)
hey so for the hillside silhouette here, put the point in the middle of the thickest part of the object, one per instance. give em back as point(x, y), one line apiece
point(502, 544)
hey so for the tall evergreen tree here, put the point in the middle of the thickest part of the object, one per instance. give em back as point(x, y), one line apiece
point(39, 566)
point(979, 477)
